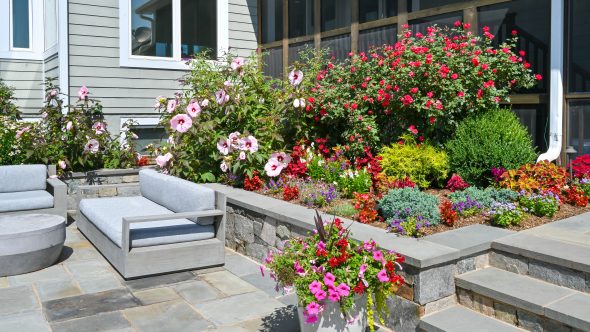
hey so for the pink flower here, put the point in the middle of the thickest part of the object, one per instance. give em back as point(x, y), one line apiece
point(205, 103)
point(220, 96)
point(378, 255)
point(83, 93)
point(69, 125)
point(99, 128)
point(343, 289)
point(223, 167)
point(162, 160)
point(311, 319)
point(320, 295)
point(315, 286)
point(21, 132)
point(193, 109)
point(234, 140)
point(413, 129)
point(242, 155)
point(53, 93)
point(333, 296)
point(237, 63)
point(329, 279)
point(295, 77)
point(249, 143)
point(62, 164)
point(281, 157)
point(273, 168)
point(181, 123)
point(362, 270)
point(171, 107)
point(298, 269)
point(262, 270)
point(313, 308)
point(223, 146)
point(92, 146)
point(382, 276)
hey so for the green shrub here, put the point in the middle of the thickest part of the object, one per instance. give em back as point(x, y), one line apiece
point(485, 197)
point(345, 210)
point(401, 204)
point(351, 181)
point(423, 164)
point(494, 139)
point(506, 214)
point(7, 106)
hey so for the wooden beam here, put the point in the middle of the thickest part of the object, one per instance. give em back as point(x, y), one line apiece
point(285, 37)
point(317, 22)
point(354, 28)
point(402, 14)
point(470, 16)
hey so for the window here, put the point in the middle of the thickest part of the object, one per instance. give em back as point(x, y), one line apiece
point(147, 130)
point(21, 24)
point(579, 48)
point(272, 20)
point(579, 126)
point(443, 20)
point(371, 10)
point(160, 33)
point(530, 18)
point(415, 5)
point(50, 23)
point(335, 14)
point(303, 11)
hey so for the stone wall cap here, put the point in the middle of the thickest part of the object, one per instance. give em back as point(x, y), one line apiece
point(469, 240)
point(418, 252)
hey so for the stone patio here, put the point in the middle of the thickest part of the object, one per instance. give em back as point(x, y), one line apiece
point(84, 293)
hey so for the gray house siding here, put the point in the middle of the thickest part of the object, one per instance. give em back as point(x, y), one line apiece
point(26, 76)
point(243, 27)
point(94, 62)
point(52, 68)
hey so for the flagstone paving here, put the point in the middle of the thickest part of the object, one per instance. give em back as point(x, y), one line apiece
point(84, 293)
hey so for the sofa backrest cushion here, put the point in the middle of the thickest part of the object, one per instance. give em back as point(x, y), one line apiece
point(176, 194)
point(15, 178)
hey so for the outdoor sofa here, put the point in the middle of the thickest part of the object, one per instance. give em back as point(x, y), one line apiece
point(174, 225)
point(31, 189)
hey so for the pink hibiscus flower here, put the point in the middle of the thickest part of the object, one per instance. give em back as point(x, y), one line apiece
point(223, 146)
point(237, 63)
point(281, 157)
point(69, 125)
point(234, 140)
point(223, 167)
point(83, 93)
point(162, 160)
point(92, 146)
point(220, 97)
point(171, 107)
point(99, 128)
point(193, 109)
point(295, 77)
point(249, 143)
point(62, 164)
point(181, 123)
point(273, 168)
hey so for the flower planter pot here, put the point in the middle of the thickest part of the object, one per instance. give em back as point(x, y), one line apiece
point(331, 319)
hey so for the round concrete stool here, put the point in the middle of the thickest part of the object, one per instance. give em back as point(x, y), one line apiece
point(30, 242)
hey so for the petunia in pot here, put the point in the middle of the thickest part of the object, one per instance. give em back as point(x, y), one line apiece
point(341, 283)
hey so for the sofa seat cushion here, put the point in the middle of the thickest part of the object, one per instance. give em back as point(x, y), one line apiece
point(22, 178)
point(25, 200)
point(107, 215)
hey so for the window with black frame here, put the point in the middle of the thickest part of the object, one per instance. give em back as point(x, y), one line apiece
point(372, 10)
point(336, 14)
point(272, 20)
point(302, 13)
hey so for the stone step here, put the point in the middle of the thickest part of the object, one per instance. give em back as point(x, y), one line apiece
point(553, 260)
point(524, 301)
point(460, 319)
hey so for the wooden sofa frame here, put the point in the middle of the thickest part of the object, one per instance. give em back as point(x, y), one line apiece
point(160, 259)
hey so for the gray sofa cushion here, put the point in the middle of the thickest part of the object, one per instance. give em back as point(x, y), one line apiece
point(22, 178)
point(107, 215)
point(176, 194)
point(25, 200)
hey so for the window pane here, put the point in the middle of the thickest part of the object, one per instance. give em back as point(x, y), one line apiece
point(20, 24)
point(301, 18)
point(377, 37)
point(531, 19)
point(199, 27)
point(339, 46)
point(151, 28)
point(371, 10)
point(273, 62)
point(147, 135)
point(579, 126)
point(335, 14)
point(579, 48)
point(415, 5)
point(534, 118)
point(444, 20)
point(272, 20)
point(50, 23)
point(296, 49)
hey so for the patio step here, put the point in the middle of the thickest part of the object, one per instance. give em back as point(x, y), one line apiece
point(547, 253)
point(524, 301)
point(460, 319)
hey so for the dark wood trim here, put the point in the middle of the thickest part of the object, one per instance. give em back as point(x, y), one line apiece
point(402, 14)
point(335, 32)
point(354, 27)
point(378, 23)
point(451, 8)
point(317, 22)
point(301, 39)
point(577, 95)
point(285, 37)
point(470, 16)
point(529, 98)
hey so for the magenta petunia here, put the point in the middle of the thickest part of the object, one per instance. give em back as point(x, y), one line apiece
point(343, 289)
point(382, 276)
point(313, 308)
point(378, 255)
point(329, 279)
point(315, 286)
point(333, 296)
point(320, 295)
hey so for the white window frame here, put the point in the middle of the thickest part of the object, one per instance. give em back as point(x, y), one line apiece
point(36, 37)
point(126, 59)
